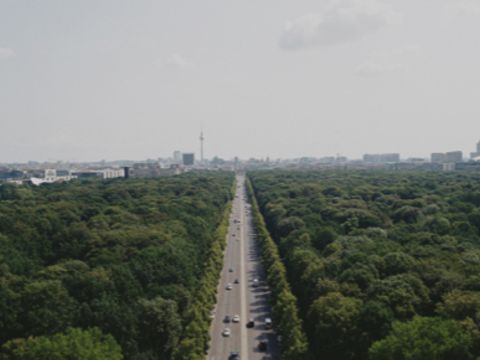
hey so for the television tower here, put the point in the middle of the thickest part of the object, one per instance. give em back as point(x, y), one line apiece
point(202, 138)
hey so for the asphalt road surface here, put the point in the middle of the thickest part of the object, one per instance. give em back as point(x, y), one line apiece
point(246, 299)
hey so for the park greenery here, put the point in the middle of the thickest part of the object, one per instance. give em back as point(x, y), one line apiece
point(384, 264)
point(284, 311)
point(116, 269)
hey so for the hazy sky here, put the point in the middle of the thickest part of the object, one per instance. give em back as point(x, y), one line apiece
point(117, 79)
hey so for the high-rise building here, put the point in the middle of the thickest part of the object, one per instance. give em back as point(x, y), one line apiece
point(454, 156)
point(449, 157)
point(177, 157)
point(188, 159)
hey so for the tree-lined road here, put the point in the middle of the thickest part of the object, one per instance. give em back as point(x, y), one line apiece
point(242, 264)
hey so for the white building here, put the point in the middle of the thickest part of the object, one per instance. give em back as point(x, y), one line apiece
point(51, 176)
point(112, 173)
point(177, 157)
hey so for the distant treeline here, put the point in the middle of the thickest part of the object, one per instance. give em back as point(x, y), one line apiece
point(106, 269)
point(385, 265)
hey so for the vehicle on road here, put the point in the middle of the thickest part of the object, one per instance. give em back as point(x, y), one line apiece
point(250, 323)
point(229, 286)
point(255, 282)
point(236, 318)
point(234, 355)
point(236, 281)
point(226, 319)
point(230, 270)
point(226, 332)
point(263, 345)
point(268, 323)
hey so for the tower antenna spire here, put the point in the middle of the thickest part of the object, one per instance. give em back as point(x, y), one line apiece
point(202, 138)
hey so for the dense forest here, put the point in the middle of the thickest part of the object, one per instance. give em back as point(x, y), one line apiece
point(385, 265)
point(105, 269)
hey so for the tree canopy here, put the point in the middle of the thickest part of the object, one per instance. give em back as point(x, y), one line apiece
point(364, 250)
point(124, 256)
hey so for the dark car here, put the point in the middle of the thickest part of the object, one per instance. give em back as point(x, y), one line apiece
point(236, 281)
point(262, 345)
point(250, 323)
point(234, 355)
point(227, 319)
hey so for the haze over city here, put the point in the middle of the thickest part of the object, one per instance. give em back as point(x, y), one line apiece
point(90, 80)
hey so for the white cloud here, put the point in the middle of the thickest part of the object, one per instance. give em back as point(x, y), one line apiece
point(341, 22)
point(6, 53)
point(178, 61)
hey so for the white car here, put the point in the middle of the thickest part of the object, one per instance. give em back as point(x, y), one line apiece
point(268, 323)
point(226, 332)
point(236, 318)
point(229, 286)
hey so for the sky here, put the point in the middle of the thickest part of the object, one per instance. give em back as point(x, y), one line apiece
point(85, 80)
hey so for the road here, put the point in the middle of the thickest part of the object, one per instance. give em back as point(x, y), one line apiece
point(242, 262)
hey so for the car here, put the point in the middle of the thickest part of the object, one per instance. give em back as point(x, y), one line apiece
point(250, 323)
point(236, 281)
point(255, 282)
point(226, 332)
point(263, 345)
point(226, 319)
point(233, 235)
point(234, 355)
point(230, 270)
point(229, 286)
point(268, 323)
point(236, 318)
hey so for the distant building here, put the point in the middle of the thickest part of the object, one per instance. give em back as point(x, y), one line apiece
point(381, 158)
point(438, 157)
point(470, 165)
point(449, 157)
point(476, 154)
point(449, 166)
point(85, 174)
point(112, 173)
point(415, 160)
point(454, 156)
point(109, 173)
point(52, 176)
point(188, 159)
point(177, 157)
